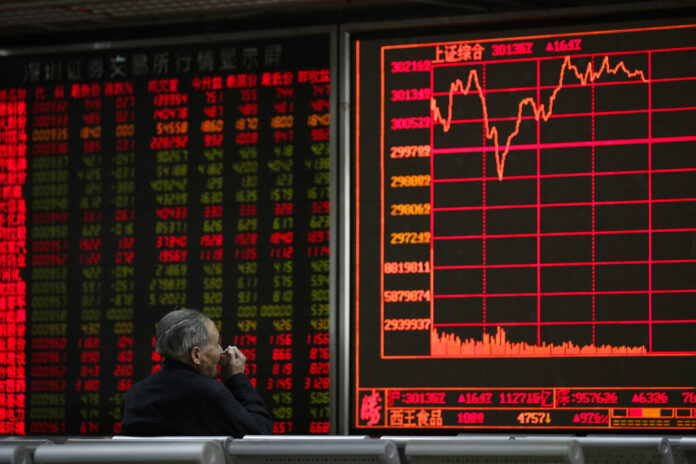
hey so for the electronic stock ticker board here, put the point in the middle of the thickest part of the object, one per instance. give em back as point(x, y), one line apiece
point(134, 180)
point(525, 230)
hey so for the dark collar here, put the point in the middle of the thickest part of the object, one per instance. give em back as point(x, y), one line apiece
point(175, 364)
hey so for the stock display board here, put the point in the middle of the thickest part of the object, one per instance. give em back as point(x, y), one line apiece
point(135, 180)
point(525, 230)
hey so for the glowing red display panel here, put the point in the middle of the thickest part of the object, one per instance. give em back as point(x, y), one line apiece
point(535, 228)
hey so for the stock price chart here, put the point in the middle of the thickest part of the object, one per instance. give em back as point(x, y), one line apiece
point(140, 179)
point(525, 230)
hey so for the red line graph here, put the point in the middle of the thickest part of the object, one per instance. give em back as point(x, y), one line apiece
point(539, 110)
point(501, 143)
point(584, 267)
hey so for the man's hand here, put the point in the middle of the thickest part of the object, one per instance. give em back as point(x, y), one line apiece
point(232, 361)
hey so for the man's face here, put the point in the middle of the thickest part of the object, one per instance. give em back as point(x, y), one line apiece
point(210, 353)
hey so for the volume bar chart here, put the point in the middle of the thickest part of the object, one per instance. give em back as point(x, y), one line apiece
point(498, 345)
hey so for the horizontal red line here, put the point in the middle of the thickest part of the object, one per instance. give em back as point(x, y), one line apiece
point(561, 57)
point(570, 174)
point(567, 86)
point(563, 205)
point(541, 87)
point(586, 263)
point(561, 234)
point(588, 143)
point(507, 324)
point(574, 115)
point(615, 292)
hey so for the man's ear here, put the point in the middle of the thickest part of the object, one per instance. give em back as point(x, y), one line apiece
point(196, 355)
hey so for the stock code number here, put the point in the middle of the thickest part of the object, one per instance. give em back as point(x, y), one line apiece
point(319, 427)
point(410, 94)
point(423, 398)
point(651, 398)
point(591, 418)
point(520, 48)
point(534, 418)
point(422, 180)
point(407, 267)
point(470, 418)
point(410, 66)
point(410, 209)
point(406, 324)
point(406, 296)
point(409, 238)
point(595, 397)
point(542, 397)
point(415, 122)
point(410, 151)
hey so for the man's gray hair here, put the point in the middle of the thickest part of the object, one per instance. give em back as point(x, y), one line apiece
point(179, 331)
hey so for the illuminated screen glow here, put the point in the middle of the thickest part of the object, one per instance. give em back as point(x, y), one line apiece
point(133, 180)
point(525, 230)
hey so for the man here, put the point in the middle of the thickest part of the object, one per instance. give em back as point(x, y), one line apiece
point(183, 398)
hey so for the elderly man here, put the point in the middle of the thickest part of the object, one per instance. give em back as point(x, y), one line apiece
point(183, 398)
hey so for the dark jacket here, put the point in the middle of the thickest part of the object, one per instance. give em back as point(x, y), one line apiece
point(177, 400)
